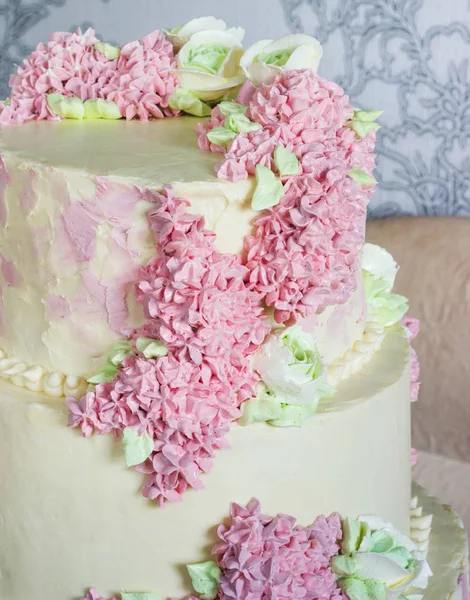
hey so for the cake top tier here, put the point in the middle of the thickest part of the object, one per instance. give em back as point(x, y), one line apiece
point(160, 152)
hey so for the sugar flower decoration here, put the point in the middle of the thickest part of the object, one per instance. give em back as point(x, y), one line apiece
point(77, 76)
point(380, 264)
point(180, 35)
point(267, 58)
point(189, 370)
point(290, 365)
point(273, 557)
point(307, 242)
point(378, 271)
point(379, 562)
point(411, 326)
point(208, 65)
point(93, 594)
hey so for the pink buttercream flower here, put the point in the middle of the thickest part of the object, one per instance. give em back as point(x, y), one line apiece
point(414, 457)
point(140, 81)
point(198, 304)
point(93, 594)
point(266, 558)
point(412, 326)
point(143, 81)
point(304, 252)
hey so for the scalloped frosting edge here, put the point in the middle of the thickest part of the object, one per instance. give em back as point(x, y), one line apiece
point(40, 379)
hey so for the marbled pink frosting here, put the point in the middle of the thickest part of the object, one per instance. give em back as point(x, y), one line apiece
point(140, 81)
point(197, 302)
point(266, 558)
point(305, 251)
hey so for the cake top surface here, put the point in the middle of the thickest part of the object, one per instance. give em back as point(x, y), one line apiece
point(159, 152)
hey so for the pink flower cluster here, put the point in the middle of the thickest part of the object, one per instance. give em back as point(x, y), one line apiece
point(412, 326)
point(93, 594)
point(265, 558)
point(198, 304)
point(140, 81)
point(304, 253)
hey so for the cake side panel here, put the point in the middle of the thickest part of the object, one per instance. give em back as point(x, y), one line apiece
point(72, 247)
point(88, 524)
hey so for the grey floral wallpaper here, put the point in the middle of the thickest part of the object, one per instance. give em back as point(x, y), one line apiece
point(407, 57)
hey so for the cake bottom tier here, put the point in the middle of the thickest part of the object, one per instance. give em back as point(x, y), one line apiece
point(72, 515)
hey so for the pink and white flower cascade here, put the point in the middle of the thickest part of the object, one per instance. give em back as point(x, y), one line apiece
point(198, 304)
point(268, 558)
point(140, 81)
point(305, 251)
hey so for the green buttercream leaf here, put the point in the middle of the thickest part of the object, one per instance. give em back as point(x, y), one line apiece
point(151, 348)
point(351, 536)
point(98, 108)
point(294, 415)
point(140, 596)
point(240, 123)
point(374, 287)
point(345, 566)
point(367, 115)
point(278, 58)
point(269, 189)
point(221, 136)
point(362, 128)
point(377, 590)
point(137, 448)
point(176, 29)
point(205, 579)
point(110, 52)
point(354, 588)
point(286, 162)
point(230, 95)
point(105, 375)
point(231, 108)
point(366, 536)
point(263, 408)
point(381, 542)
point(188, 102)
point(389, 309)
point(401, 556)
point(68, 108)
point(119, 351)
point(6, 102)
point(361, 178)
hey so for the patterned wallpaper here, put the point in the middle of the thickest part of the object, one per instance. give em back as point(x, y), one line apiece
point(407, 57)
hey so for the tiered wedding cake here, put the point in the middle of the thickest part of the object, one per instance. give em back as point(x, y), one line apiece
point(194, 295)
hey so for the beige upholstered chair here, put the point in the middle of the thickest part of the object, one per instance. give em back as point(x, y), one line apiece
point(434, 256)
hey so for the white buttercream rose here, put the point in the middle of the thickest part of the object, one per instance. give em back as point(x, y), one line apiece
point(379, 263)
point(378, 562)
point(267, 58)
point(290, 366)
point(379, 270)
point(208, 65)
point(178, 36)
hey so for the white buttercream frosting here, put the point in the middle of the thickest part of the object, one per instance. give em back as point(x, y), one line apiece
point(76, 231)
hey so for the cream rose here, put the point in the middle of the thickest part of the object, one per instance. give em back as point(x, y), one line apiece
point(377, 562)
point(290, 366)
point(267, 58)
point(178, 36)
point(208, 65)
